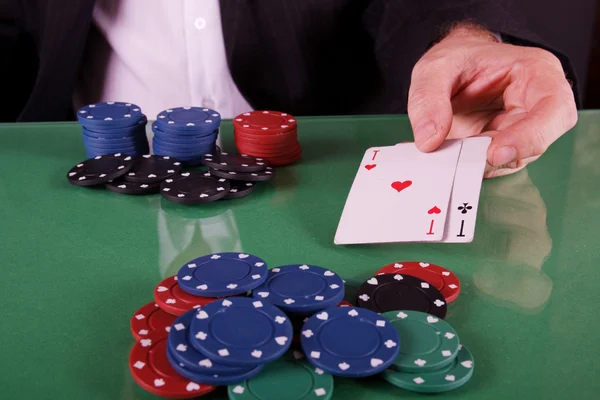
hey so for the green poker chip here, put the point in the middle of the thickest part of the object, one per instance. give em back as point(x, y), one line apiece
point(289, 378)
point(428, 342)
point(448, 378)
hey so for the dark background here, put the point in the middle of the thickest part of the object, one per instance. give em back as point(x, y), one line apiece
point(573, 28)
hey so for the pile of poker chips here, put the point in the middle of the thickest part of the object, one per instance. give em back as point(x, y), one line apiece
point(113, 127)
point(271, 135)
point(413, 297)
point(151, 174)
point(209, 327)
point(229, 176)
point(225, 320)
point(186, 133)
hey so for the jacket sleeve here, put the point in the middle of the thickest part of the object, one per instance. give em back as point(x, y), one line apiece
point(423, 22)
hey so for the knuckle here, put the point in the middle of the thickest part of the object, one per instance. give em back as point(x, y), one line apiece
point(428, 63)
point(545, 57)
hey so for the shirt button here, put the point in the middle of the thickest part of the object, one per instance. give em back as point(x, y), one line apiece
point(200, 23)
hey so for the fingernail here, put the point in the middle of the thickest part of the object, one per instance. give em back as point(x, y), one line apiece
point(504, 155)
point(425, 131)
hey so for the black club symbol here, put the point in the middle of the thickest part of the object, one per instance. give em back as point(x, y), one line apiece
point(465, 208)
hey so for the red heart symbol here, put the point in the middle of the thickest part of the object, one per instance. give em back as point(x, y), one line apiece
point(400, 186)
point(370, 166)
point(434, 210)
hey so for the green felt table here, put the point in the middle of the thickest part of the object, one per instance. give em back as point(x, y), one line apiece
point(76, 262)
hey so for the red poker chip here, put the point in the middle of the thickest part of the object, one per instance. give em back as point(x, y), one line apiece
point(265, 121)
point(266, 145)
point(150, 318)
point(266, 135)
point(270, 143)
point(345, 303)
point(169, 296)
point(444, 280)
point(151, 369)
point(282, 155)
point(289, 149)
point(294, 147)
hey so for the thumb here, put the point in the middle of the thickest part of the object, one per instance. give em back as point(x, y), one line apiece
point(429, 103)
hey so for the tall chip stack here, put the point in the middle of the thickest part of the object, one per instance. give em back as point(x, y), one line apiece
point(113, 127)
point(186, 133)
point(271, 135)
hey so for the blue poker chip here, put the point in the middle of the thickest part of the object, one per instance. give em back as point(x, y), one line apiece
point(113, 114)
point(199, 149)
point(188, 120)
point(241, 331)
point(181, 139)
point(222, 274)
point(212, 379)
point(350, 342)
point(115, 148)
point(110, 132)
point(187, 356)
point(136, 133)
point(301, 288)
point(192, 141)
point(110, 143)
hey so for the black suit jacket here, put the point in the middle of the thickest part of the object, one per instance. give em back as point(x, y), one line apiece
point(306, 57)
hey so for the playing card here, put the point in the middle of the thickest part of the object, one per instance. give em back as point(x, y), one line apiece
point(399, 194)
point(462, 214)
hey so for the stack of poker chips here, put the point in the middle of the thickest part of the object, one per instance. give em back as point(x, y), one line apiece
point(271, 135)
point(186, 133)
point(113, 127)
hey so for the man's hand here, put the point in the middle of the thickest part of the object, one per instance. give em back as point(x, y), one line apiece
point(469, 84)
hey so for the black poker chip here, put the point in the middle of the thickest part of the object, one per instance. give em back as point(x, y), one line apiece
point(100, 169)
point(194, 188)
point(124, 187)
point(395, 292)
point(153, 169)
point(266, 175)
point(239, 189)
point(234, 162)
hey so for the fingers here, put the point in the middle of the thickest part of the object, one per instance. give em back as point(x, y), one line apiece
point(429, 102)
point(540, 108)
point(530, 136)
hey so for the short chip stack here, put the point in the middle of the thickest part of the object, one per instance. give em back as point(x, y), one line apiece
point(186, 133)
point(271, 135)
point(433, 360)
point(113, 127)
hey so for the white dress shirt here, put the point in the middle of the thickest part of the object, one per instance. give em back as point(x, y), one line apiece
point(159, 54)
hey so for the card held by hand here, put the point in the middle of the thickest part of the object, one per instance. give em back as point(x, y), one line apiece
point(399, 194)
point(464, 202)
